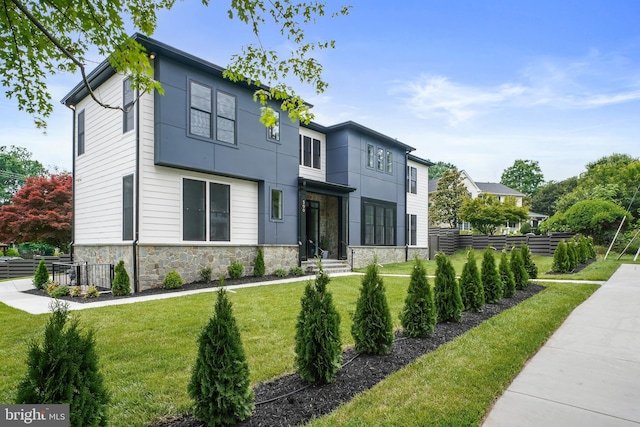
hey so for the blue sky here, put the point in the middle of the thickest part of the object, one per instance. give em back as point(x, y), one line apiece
point(475, 83)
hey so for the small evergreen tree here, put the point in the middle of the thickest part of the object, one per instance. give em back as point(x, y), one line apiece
point(121, 283)
point(219, 383)
point(493, 286)
point(258, 267)
point(65, 369)
point(41, 278)
point(520, 274)
point(471, 289)
point(572, 255)
point(506, 275)
point(592, 248)
point(529, 265)
point(582, 249)
point(447, 291)
point(561, 258)
point(418, 316)
point(372, 329)
point(318, 346)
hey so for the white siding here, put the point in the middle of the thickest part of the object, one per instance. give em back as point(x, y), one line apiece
point(418, 204)
point(310, 172)
point(109, 155)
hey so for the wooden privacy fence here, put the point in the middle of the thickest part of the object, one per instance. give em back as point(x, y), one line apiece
point(449, 240)
point(13, 268)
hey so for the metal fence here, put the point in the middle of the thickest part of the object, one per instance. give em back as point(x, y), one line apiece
point(83, 274)
point(14, 268)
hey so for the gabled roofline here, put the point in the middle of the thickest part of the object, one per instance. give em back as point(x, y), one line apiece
point(420, 160)
point(351, 125)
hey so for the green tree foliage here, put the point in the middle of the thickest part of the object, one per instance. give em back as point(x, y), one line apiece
point(486, 213)
point(561, 262)
point(529, 265)
point(372, 329)
point(258, 267)
point(471, 289)
point(47, 38)
point(446, 201)
point(545, 198)
point(121, 283)
point(524, 176)
point(439, 168)
point(447, 291)
point(41, 277)
point(491, 281)
point(418, 316)
point(220, 386)
point(318, 346)
point(65, 369)
point(15, 167)
point(506, 275)
point(520, 275)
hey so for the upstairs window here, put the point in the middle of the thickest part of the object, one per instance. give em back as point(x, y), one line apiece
point(200, 107)
point(80, 133)
point(310, 152)
point(127, 105)
point(273, 132)
point(380, 159)
point(370, 155)
point(127, 207)
point(226, 118)
point(412, 180)
point(389, 162)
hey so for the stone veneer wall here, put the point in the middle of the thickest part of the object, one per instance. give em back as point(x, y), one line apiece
point(361, 256)
point(105, 254)
point(423, 253)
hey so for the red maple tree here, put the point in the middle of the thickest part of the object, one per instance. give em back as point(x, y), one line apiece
point(39, 212)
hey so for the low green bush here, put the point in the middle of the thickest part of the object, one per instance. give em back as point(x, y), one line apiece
point(235, 270)
point(41, 278)
point(60, 291)
point(75, 291)
point(51, 287)
point(280, 272)
point(296, 271)
point(205, 274)
point(92, 292)
point(172, 280)
point(12, 252)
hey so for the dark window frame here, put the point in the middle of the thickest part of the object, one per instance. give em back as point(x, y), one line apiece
point(127, 207)
point(223, 118)
point(81, 133)
point(200, 109)
point(412, 180)
point(199, 219)
point(273, 132)
point(380, 159)
point(379, 229)
point(388, 159)
point(277, 212)
point(222, 211)
point(128, 99)
point(317, 153)
point(412, 227)
point(371, 156)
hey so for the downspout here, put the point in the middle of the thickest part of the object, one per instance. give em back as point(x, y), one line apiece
point(136, 208)
point(406, 200)
point(73, 182)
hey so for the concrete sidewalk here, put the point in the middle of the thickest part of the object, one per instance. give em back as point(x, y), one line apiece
point(588, 372)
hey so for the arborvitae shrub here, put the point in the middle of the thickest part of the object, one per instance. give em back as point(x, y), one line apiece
point(529, 265)
point(172, 280)
point(41, 277)
point(205, 274)
point(572, 255)
point(121, 284)
point(582, 249)
point(219, 385)
point(318, 347)
point(506, 275)
point(447, 291)
point(372, 329)
point(592, 248)
point(471, 289)
point(493, 286)
point(235, 270)
point(561, 258)
point(65, 369)
point(520, 274)
point(418, 316)
point(258, 267)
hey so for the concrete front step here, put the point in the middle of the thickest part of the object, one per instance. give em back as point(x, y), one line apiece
point(328, 265)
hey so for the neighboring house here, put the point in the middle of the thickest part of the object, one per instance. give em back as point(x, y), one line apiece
point(496, 189)
point(192, 179)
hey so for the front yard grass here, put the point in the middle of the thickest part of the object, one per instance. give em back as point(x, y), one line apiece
point(147, 349)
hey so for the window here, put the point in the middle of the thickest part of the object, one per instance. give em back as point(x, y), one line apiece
point(412, 180)
point(200, 110)
point(80, 132)
point(379, 223)
point(389, 162)
point(127, 105)
point(273, 132)
point(310, 152)
point(380, 159)
point(412, 224)
point(370, 155)
point(194, 211)
point(127, 207)
point(226, 118)
point(276, 205)
point(316, 153)
point(306, 151)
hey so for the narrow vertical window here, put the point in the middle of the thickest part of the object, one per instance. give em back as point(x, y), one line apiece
point(307, 151)
point(226, 118)
point(276, 205)
point(301, 148)
point(273, 132)
point(389, 162)
point(370, 155)
point(412, 224)
point(369, 224)
point(219, 212)
point(127, 105)
point(127, 207)
point(380, 159)
point(80, 133)
point(316, 153)
point(412, 180)
point(200, 110)
point(193, 210)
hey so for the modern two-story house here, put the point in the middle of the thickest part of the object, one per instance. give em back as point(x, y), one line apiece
point(193, 179)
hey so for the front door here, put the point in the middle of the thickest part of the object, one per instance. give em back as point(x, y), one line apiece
point(313, 227)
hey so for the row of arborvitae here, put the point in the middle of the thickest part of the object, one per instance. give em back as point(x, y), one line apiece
point(568, 255)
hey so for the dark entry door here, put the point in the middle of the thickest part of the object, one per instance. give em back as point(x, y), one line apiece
point(313, 227)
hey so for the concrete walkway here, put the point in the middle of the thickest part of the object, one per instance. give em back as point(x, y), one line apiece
point(588, 372)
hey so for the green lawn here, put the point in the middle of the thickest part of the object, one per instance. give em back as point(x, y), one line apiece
point(147, 349)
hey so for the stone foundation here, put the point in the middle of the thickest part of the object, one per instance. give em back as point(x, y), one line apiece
point(361, 256)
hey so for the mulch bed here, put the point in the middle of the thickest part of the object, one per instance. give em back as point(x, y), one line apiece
point(289, 401)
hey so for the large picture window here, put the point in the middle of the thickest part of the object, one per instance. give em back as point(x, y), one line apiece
point(127, 207)
point(127, 105)
point(226, 118)
point(80, 141)
point(198, 206)
point(200, 123)
point(378, 223)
